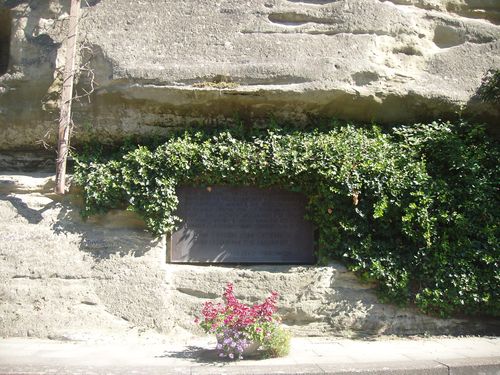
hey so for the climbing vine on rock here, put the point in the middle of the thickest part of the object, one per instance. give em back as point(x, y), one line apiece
point(415, 208)
point(489, 91)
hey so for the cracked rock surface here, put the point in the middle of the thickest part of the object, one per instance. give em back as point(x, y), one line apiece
point(163, 64)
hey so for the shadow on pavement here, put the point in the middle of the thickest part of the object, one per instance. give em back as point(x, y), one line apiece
point(195, 353)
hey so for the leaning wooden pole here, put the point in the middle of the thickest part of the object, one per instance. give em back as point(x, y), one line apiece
point(66, 97)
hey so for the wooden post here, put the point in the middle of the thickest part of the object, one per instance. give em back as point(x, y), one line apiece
point(66, 97)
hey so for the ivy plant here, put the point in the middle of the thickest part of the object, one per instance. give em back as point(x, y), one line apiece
point(414, 208)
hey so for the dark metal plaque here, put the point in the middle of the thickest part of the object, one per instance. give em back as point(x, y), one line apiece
point(241, 225)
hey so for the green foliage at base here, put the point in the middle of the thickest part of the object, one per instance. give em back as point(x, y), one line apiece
point(415, 209)
point(278, 344)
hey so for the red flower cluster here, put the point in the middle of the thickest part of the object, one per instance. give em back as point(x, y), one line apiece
point(211, 310)
point(235, 314)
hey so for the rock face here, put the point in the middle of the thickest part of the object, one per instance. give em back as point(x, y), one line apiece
point(161, 64)
point(64, 278)
point(152, 65)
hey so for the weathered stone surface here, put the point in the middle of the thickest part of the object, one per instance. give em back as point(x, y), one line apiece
point(163, 64)
point(64, 278)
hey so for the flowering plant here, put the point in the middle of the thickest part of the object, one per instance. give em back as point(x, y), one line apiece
point(238, 325)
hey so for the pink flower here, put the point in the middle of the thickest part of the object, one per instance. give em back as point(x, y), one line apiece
point(235, 314)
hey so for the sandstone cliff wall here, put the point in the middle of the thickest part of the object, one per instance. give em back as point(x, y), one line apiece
point(154, 65)
point(163, 64)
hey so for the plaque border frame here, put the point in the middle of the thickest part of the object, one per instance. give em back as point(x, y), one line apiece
point(169, 247)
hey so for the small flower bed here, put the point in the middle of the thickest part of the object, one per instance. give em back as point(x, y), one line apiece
point(238, 326)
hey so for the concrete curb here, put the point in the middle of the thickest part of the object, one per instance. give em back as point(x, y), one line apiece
point(472, 366)
point(479, 366)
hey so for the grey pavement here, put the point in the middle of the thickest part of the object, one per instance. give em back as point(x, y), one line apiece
point(435, 355)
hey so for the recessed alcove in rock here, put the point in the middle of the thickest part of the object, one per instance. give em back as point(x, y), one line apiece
point(5, 27)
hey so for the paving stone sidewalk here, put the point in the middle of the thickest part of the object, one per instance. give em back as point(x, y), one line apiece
point(467, 355)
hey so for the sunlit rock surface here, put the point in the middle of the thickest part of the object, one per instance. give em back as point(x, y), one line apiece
point(152, 65)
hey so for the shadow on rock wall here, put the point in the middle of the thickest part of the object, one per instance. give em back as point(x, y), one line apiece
point(62, 277)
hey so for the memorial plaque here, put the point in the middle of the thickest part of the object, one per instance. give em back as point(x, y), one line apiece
point(242, 225)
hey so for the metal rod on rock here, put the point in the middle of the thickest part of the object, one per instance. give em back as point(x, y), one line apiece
point(66, 98)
